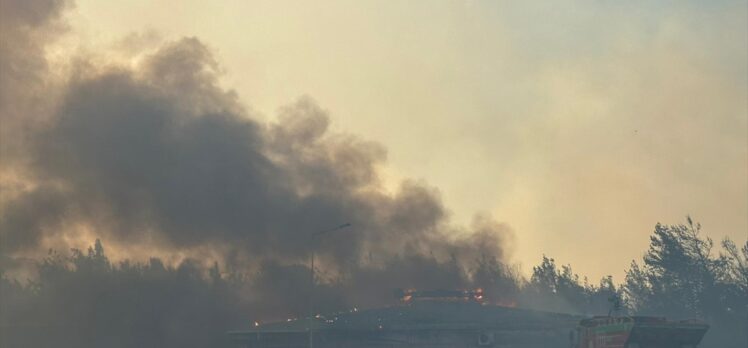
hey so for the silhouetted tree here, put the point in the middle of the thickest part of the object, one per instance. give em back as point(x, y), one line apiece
point(499, 283)
point(560, 290)
point(681, 278)
point(85, 300)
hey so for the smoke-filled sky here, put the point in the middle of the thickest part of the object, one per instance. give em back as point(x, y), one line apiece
point(203, 127)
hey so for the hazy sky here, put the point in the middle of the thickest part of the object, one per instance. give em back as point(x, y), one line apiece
point(580, 124)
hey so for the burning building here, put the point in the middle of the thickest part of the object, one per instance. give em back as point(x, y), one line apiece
point(441, 318)
point(459, 318)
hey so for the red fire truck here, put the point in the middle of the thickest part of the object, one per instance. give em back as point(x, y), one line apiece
point(637, 332)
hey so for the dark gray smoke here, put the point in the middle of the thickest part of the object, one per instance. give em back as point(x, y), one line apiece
point(26, 27)
point(159, 155)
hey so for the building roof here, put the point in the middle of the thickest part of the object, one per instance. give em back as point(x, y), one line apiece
point(426, 315)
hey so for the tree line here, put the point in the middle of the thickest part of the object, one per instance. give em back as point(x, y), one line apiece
point(85, 300)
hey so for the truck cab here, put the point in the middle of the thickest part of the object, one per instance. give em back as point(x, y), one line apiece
point(637, 332)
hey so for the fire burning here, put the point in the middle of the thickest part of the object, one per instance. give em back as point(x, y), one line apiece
point(411, 295)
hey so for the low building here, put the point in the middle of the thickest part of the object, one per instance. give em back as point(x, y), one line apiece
point(429, 321)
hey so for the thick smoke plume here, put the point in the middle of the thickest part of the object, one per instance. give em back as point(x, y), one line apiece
point(156, 156)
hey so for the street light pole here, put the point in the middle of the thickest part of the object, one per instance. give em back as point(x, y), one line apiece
point(311, 278)
point(311, 299)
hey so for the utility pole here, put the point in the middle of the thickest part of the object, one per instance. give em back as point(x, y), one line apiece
point(311, 278)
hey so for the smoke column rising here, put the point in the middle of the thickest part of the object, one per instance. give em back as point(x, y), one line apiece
point(154, 155)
